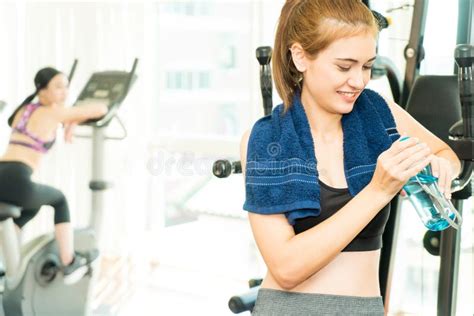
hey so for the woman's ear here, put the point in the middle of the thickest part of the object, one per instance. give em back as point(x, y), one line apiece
point(298, 56)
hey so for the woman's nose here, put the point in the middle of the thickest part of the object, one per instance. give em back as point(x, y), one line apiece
point(357, 80)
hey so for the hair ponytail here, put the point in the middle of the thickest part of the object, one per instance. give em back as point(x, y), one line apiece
point(28, 100)
point(285, 74)
point(42, 79)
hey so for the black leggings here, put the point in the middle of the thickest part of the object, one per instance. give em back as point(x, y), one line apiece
point(17, 188)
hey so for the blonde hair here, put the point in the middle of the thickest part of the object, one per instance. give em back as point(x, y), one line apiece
point(314, 24)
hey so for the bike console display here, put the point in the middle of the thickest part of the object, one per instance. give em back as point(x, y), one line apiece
point(109, 88)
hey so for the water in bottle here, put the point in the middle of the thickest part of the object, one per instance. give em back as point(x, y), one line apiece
point(434, 209)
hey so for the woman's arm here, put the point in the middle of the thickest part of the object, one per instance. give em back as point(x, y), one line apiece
point(291, 258)
point(77, 114)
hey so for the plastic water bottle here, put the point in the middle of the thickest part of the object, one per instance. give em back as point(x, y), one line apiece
point(434, 209)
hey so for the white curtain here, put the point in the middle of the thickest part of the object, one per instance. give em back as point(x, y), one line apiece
point(108, 35)
point(102, 36)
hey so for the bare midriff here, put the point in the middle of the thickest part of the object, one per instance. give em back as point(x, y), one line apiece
point(22, 154)
point(349, 273)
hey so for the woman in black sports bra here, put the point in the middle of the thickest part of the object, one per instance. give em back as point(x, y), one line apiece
point(317, 211)
point(332, 200)
point(34, 126)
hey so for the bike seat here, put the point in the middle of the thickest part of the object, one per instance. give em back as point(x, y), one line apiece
point(9, 211)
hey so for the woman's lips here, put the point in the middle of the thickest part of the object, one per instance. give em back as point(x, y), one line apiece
point(349, 96)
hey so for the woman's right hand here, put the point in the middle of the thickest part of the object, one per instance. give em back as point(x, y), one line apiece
point(396, 165)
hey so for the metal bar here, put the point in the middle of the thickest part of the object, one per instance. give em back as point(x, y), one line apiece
point(72, 71)
point(414, 52)
point(449, 268)
point(465, 8)
point(11, 248)
point(387, 255)
point(130, 79)
point(98, 174)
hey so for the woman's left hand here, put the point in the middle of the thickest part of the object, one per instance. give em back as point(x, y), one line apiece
point(443, 170)
point(69, 132)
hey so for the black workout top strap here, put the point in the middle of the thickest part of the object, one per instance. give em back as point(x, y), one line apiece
point(332, 200)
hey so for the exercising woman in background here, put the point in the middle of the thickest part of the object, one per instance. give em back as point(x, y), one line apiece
point(34, 127)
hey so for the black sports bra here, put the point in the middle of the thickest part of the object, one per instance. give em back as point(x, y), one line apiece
point(332, 200)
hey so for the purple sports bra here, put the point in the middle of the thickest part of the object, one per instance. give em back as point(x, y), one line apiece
point(38, 144)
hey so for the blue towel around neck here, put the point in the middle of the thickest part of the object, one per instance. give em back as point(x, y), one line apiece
point(281, 170)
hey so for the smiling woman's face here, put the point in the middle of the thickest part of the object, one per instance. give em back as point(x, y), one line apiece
point(339, 73)
point(56, 92)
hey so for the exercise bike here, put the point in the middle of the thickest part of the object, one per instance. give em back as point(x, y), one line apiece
point(33, 285)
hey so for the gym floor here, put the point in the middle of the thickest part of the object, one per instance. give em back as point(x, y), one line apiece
point(181, 282)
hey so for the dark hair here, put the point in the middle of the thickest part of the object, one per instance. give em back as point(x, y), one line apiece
point(42, 79)
point(314, 24)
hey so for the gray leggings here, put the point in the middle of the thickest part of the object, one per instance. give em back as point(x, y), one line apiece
point(276, 303)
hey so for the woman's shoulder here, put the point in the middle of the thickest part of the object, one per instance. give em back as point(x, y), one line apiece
point(261, 127)
point(380, 105)
point(262, 131)
point(265, 124)
point(45, 116)
point(48, 111)
point(374, 96)
point(23, 112)
point(377, 101)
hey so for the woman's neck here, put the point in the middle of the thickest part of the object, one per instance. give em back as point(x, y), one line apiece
point(324, 125)
point(44, 102)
